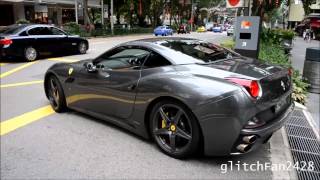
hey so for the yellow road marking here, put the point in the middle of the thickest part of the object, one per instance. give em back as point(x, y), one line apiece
point(2, 64)
point(21, 84)
point(24, 119)
point(63, 59)
point(16, 69)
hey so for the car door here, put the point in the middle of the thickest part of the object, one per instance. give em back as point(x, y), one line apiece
point(64, 42)
point(110, 90)
point(44, 40)
point(36, 39)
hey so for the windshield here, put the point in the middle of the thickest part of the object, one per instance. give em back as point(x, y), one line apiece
point(12, 29)
point(203, 51)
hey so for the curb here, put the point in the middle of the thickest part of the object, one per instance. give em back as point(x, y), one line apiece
point(281, 154)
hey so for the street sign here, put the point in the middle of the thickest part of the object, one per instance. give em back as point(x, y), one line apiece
point(247, 30)
point(235, 3)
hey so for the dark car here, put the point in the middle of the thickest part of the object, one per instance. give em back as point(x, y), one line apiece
point(186, 94)
point(29, 41)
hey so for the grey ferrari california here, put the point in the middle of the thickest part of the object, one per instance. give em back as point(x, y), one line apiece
point(187, 95)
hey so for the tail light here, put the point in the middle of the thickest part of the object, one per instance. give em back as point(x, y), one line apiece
point(252, 86)
point(5, 41)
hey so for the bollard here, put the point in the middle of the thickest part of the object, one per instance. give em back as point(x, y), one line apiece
point(311, 69)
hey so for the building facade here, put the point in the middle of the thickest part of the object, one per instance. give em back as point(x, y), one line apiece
point(43, 11)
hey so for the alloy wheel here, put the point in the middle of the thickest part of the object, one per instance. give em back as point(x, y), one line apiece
point(172, 128)
point(82, 48)
point(54, 93)
point(31, 54)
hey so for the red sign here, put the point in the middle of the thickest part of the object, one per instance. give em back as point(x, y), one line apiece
point(233, 2)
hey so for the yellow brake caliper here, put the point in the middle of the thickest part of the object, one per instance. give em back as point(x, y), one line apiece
point(163, 122)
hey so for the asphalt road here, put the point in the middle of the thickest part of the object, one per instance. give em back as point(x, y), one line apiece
point(43, 144)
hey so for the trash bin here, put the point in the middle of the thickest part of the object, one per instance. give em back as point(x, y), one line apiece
point(311, 70)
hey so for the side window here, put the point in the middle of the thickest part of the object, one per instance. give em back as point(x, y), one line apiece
point(24, 33)
point(128, 58)
point(40, 31)
point(56, 31)
point(156, 60)
point(35, 31)
point(46, 31)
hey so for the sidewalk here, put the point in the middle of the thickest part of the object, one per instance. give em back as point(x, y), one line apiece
point(298, 57)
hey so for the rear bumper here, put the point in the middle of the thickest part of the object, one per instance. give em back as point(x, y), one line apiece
point(9, 52)
point(223, 125)
point(262, 133)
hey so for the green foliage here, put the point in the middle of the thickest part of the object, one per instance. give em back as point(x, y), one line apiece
point(276, 36)
point(22, 21)
point(72, 28)
point(287, 34)
point(274, 54)
point(299, 88)
point(228, 44)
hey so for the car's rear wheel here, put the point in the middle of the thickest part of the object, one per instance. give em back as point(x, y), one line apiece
point(30, 54)
point(82, 48)
point(55, 94)
point(175, 129)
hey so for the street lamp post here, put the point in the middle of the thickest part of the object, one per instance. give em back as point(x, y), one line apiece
point(111, 17)
point(191, 15)
point(76, 10)
point(102, 13)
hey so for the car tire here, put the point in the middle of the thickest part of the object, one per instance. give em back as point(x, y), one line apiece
point(179, 135)
point(82, 48)
point(228, 34)
point(55, 94)
point(30, 54)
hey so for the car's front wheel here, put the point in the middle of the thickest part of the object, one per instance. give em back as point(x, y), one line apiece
point(30, 54)
point(56, 94)
point(82, 48)
point(175, 129)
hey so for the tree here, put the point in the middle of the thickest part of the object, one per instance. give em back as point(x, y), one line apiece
point(306, 5)
point(87, 19)
point(260, 7)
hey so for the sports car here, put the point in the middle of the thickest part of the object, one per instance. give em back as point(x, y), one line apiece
point(201, 29)
point(187, 95)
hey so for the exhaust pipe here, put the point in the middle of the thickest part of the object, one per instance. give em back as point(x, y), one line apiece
point(243, 148)
point(249, 139)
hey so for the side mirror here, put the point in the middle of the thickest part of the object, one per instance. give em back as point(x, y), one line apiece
point(90, 67)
